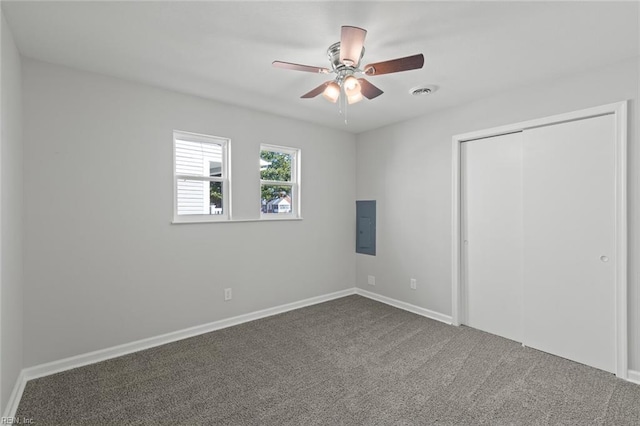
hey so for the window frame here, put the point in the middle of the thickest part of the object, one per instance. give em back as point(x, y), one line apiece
point(225, 177)
point(294, 183)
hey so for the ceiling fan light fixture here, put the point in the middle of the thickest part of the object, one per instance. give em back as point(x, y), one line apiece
point(351, 85)
point(354, 98)
point(332, 92)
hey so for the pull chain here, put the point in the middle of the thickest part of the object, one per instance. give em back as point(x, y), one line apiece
point(345, 110)
point(342, 103)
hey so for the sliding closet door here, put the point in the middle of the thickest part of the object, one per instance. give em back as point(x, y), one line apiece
point(568, 223)
point(492, 234)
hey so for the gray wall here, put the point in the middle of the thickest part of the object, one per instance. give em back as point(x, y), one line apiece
point(103, 264)
point(407, 168)
point(10, 217)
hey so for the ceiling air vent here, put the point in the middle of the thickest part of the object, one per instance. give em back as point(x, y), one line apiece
point(423, 90)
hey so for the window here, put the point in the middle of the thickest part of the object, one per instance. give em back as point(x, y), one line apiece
point(279, 182)
point(201, 169)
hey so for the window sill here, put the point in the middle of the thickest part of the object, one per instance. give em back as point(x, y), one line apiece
point(270, 219)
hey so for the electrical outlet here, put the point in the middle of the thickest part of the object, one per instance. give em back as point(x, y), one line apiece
point(371, 280)
point(227, 294)
point(412, 283)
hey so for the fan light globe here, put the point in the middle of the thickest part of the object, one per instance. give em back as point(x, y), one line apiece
point(356, 97)
point(351, 85)
point(332, 92)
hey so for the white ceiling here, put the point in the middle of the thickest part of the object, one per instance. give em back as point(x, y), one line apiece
point(224, 50)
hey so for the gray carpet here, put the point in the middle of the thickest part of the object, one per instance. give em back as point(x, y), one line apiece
point(351, 361)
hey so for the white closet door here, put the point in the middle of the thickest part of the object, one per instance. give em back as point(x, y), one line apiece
point(568, 222)
point(492, 230)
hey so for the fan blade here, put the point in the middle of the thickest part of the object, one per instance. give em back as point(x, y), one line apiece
point(351, 42)
point(298, 67)
point(368, 90)
point(315, 92)
point(395, 65)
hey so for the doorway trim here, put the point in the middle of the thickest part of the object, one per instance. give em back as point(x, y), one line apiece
point(619, 110)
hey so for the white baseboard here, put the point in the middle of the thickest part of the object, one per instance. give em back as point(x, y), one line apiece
point(16, 395)
point(127, 348)
point(81, 360)
point(406, 306)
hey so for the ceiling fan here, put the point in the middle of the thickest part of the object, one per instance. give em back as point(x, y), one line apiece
point(345, 57)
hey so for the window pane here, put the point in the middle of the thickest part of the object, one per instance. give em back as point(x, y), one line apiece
point(199, 197)
point(198, 158)
point(276, 199)
point(275, 166)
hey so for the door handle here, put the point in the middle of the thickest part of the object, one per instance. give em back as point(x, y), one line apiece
point(604, 258)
